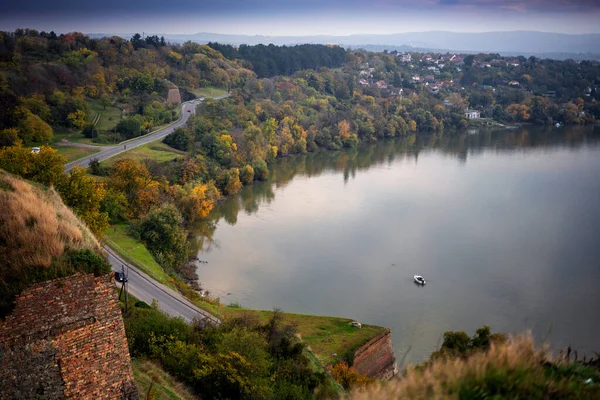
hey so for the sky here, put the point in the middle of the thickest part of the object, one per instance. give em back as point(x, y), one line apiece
point(301, 17)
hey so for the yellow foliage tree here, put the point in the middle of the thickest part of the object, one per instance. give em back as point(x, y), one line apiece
point(348, 377)
point(84, 194)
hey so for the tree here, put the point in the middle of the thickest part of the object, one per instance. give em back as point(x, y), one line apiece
point(45, 167)
point(8, 137)
point(84, 195)
point(129, 127)
point(133, 180)
point(90, 130)
point(261, 170)
point(195, 200)
point(77, 119)
point(162, 233)
point(469, 60)
point(32, 128)
point(247, 174)
point(105, 101)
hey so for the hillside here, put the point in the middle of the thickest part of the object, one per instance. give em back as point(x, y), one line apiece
point(40, 239)
point(68, 83)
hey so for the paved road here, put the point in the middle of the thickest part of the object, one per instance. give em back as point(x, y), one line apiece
point(146, 289)
point(188, 108)
point(141, 285)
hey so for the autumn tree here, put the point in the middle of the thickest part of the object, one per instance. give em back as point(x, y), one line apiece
point(247, 174)
point(348, 377)
point(133, 180)
point(195, 200)
point(84, 195)
point(45, 167)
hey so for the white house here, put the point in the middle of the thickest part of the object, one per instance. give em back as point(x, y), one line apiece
point(472, 114)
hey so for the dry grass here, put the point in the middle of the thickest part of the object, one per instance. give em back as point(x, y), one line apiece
point(35, 226)
point(36, 229)
point(512, 370)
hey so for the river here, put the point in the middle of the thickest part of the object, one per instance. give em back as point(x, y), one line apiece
point(503, 225)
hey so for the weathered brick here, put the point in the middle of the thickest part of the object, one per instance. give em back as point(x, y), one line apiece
point(376, 357)
point(66, 339)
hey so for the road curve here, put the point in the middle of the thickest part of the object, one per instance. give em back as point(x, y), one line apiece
point(146, 289)
point(188, 108)
point(141, 285)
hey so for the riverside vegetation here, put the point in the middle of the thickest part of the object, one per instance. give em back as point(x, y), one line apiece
point(47, 82)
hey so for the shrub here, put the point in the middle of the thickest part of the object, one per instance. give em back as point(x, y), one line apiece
point(261, 171)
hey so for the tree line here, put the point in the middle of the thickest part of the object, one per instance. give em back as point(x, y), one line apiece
point(270, 60)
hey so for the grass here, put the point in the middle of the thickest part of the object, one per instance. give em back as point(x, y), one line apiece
point(516, 369)
point(324, 335)
point(154, 383)
point(75, 153)
point(135, 252)
point(108, 118)
point(157, 151)
point(209, 91)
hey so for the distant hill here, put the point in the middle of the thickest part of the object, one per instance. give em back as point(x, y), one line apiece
point(527, 43)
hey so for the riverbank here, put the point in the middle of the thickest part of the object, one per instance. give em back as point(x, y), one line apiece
point(329, 339)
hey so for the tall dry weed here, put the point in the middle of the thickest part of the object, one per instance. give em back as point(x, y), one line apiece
point(516, 369)
point(35, 228)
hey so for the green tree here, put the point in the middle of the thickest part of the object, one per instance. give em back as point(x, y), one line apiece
point(261, 170)
point(162, 233)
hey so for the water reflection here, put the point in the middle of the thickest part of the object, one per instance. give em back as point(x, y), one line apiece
point(498, 235)
point(350, 161)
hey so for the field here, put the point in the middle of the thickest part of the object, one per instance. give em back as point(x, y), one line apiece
point(209, 91)
point(155, 151)
point(74, 153)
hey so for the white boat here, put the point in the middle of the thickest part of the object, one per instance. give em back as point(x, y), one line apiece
point(419, 280)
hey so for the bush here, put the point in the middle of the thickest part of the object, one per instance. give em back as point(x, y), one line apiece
point(247, 174)
point(261, 170)
point(130, 127)
point(90, 130)
point(180, 139)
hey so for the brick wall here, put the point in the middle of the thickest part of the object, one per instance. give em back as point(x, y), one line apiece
point(66, 339)
point(376, 358)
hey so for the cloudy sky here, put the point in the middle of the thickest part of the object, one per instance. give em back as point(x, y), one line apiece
point(301, 17)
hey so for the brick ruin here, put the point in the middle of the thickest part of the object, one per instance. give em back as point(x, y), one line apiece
point(376, 358)
point(66, 339)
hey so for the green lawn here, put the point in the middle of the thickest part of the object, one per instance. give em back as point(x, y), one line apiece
point(74, 153)
point(209, 91)
point(108, 118)
point(157, 151)
point(154, 383)
point(134, 251)
point(324, 335)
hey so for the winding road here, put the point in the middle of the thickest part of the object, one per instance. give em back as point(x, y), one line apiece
point(187, 109)
point(139, 284)
point(146, 289)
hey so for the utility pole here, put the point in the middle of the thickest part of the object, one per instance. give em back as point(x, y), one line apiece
point(122, 277)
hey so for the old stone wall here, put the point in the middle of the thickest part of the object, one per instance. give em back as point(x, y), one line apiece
point(66, 339)
point(376, 357)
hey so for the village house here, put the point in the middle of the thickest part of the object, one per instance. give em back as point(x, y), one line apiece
point(381, 84)
point(472, 114)
point(405, 57)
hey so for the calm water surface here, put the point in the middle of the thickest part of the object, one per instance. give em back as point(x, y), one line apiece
point(504, 226)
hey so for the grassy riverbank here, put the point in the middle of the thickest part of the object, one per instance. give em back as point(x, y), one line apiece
point(323, 335)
